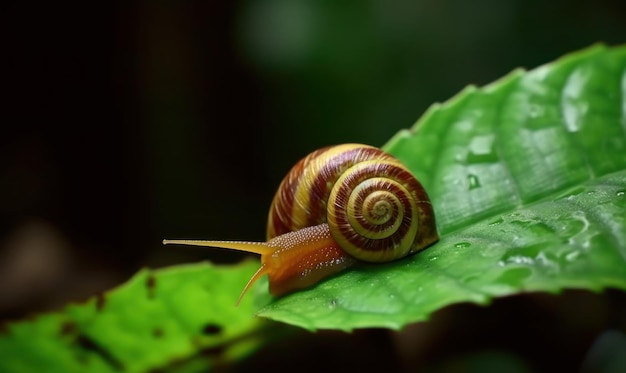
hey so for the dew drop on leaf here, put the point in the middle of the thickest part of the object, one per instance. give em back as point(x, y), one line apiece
point(481, 150)
point(519, 259)
point(571, 256)
point(473, 181)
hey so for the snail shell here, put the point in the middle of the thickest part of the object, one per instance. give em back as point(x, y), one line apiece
point(337, 206)
point(375, 208)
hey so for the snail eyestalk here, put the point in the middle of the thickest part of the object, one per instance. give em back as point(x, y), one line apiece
point(250, 247)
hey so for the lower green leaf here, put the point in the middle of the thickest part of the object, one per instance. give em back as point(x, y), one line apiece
point(156, 319)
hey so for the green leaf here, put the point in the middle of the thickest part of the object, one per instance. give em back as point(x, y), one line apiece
point(156, 319)
point(528, 181)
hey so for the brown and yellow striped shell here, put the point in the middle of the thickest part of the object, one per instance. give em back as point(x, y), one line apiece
point(377, 211)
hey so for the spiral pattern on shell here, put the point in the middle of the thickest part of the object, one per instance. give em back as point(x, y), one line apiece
point(377, 211)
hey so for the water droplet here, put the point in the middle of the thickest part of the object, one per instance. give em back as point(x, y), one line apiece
point(520, 223)
point(621, 193)
point(498, 221)
point(533, 225)
point(570, 257)
point(544, 259)
point(473, 181)
point(433, 257)
point(541, 229)
point(333, 303)
point(462, 245)
point(519, 259)
point(481, 150)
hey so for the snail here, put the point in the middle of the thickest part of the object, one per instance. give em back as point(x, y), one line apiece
point(337, 206)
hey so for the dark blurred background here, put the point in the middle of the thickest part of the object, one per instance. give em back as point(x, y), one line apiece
point(123, 123)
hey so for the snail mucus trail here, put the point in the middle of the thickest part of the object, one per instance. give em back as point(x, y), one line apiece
point(337, 206)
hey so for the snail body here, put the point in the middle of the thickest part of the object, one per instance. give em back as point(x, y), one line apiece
point(338, 206)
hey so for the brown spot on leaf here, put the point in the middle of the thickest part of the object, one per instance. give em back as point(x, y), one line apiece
point(100, 301)
point(157, 332)
point(89, 344)
point(151, 285)
point(211, 329)
point(69, 328)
